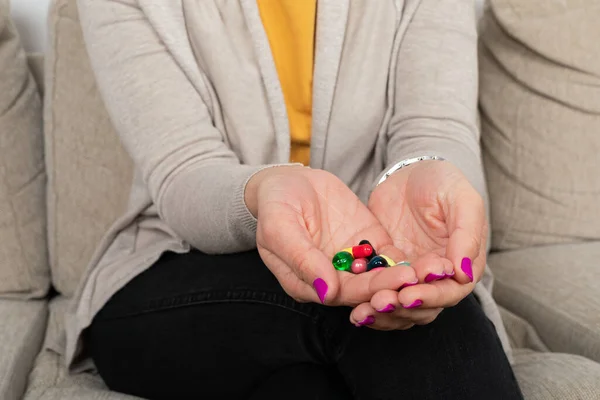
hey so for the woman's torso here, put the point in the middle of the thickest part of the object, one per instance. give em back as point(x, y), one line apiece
point(222, 48)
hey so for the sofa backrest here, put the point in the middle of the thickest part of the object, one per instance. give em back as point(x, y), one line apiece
point(24, 271)
point(89, 173)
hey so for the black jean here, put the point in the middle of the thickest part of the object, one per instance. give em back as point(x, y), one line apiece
point(221, 327)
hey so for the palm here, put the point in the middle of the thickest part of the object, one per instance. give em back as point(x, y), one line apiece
point(304, 218)
point(410, 207)
point(333, 216)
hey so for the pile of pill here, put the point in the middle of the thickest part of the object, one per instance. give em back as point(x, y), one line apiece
point(361, 258)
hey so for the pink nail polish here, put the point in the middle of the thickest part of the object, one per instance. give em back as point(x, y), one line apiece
point(321, 289)
point(467, 267)
point(434, 277)
point(407, 284)
point(387, 309)
point(414, 304)
point(370, 320)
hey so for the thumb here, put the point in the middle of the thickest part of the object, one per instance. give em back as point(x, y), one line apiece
point(466, 222)
point(290, 241)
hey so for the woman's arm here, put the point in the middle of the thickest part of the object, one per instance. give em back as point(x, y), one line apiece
point(195, 180)
point(436, 89)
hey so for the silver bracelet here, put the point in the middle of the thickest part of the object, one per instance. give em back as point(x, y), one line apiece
point(406, 163)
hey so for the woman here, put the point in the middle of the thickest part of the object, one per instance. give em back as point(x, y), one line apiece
point(268, 135)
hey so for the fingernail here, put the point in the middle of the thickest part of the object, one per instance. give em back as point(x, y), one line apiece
point(434, 277)
point(321, 289)
point(449, 275)
point(467, 267)
point(407, 284)
point(367, 321)
point(414, 304)
point(387, 309)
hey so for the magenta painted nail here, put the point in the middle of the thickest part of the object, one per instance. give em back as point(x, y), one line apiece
point(414, 304)
point(467, 267)
point(321, 289)
point(434, 277)
point(407, 284)
point(370, 320)
point(387, 309)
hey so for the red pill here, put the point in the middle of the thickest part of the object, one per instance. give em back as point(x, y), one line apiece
point(362, 251)
point(359, 265)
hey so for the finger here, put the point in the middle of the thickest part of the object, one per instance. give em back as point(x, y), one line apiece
point(432, 267)
point(427, 317)
point(289, 240)
point(365, 315)
point(288, 279)
point(385, 301)
point(357, 289)
point(440, 294)
point(466, 220)
point(417, 316)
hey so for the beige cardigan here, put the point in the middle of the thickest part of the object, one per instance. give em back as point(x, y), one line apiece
point(192, 89)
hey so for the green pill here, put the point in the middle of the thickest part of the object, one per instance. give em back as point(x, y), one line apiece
point(342, 261)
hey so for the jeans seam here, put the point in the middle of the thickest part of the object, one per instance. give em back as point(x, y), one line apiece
point(224, 296)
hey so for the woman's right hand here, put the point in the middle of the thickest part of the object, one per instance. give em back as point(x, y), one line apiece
point(304, 217)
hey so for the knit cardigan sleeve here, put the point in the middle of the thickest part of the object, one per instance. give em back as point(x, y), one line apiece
point(436, 89)
point(196, 182)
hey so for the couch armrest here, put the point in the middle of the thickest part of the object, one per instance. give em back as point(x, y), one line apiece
point(22, 329)
point(557, 290)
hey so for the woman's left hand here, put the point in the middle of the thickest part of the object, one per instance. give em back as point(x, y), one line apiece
point(437, 219)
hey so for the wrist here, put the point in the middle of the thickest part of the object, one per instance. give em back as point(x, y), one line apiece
point(405, 164)
point(258, 179)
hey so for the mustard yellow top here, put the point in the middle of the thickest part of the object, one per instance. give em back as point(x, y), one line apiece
point(290, 27)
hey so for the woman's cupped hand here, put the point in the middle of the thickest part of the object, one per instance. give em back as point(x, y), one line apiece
point(305, 216)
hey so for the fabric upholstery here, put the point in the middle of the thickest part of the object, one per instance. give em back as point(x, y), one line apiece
point(36, 66)
point(24, 271)
point(556, 376)
point(540, 107)
point(556, 289)
point(520, 332)
point(49, 379)
point(543, 376)
point(89, 173)
point(22, 327)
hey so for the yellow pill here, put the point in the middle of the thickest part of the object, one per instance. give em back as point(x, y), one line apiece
point(391, 262)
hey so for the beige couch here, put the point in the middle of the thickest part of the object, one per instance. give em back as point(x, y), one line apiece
point(64, 178)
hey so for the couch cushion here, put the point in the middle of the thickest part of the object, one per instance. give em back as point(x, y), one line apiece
point(545, 376)
point(22, 327)
point(521, 334)
point(24, 270)
point(555, 376)
point(557, 290)
point(89, 173)
point(49, 379)
point(540, 107)
point(36, 66)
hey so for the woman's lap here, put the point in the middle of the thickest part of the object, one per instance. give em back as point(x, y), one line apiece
point(221, 327)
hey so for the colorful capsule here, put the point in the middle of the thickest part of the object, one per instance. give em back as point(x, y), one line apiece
point(359, 265)
point(373, 254)
point(342, 261)
point(362, 251)
point(390, 262)
point(377, 262)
